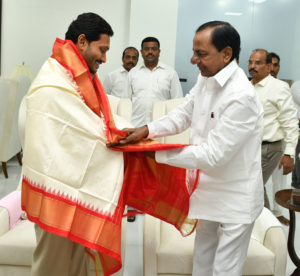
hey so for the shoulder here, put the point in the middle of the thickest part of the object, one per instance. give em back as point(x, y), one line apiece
point(168, 71)
point(55, 76)
point(240, 89)
point(296, 86)
point(115, 72)
point(135, 70)
point(166, 67)
point(280, 83)
point(276, 85)
point(239, 82)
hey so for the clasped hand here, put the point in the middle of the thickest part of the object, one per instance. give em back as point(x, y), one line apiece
point(133, 135)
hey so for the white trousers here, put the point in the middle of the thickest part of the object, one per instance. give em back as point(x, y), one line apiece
point(279, 183)
point(220, 248)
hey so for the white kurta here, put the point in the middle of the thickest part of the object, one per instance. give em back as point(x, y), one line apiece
point(147, 87)
point(225, 118)
point(116, 83)
point(280, 116)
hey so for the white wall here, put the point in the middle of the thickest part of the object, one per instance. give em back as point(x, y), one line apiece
point(156, 18)
point(29, 28)
point(273, 25)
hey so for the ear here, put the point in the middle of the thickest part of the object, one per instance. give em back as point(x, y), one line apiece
point(227, 54)
point(82, 42)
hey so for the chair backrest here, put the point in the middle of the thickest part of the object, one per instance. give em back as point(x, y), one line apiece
point(159, 110)
point(163, 108)
point(121, 107)
point(9, 105)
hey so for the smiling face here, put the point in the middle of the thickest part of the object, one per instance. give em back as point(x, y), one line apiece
point(94, 52)
point(130, 59)
point(206, 56)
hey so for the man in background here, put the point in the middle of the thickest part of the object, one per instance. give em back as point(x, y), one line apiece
point(116, 82)
point(280, 123)
point(152, 81)
point(275, 64)
point(278, 178)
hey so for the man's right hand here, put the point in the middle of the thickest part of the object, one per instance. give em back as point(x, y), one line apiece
point(134, 135)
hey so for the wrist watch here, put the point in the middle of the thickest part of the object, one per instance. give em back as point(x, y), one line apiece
point(292, 156)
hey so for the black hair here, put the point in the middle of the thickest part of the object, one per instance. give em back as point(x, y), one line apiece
point(150, 39)
point(130, 48)
point(268, 56)
point(274, 55)
point(91, 25)
point(224, 35)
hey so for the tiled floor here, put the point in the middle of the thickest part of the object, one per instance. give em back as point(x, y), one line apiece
point(134, 250)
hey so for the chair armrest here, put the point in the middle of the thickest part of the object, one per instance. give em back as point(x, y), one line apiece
point(4, 221)
point(268, 231)
point(151, 244)
point(275, 240)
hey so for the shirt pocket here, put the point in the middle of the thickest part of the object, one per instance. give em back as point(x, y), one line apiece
point(139, 87)
point(213, 119)
point(269, 107)
point(163, 87)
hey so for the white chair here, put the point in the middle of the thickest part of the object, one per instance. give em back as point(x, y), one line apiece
point(17, 245)
point(167, 253)
point(11, 94)
point(162, 108)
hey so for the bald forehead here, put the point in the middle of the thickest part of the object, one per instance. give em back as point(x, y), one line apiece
point(260, 53)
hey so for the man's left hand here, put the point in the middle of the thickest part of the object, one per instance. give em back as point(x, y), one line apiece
point(287, 163)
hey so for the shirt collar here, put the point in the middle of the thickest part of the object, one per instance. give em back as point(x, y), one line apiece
point(264, 81)
point(222, 76)
point(159, 65)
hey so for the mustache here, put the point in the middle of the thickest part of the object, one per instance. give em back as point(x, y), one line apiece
point(130, 63)
point(252, 70)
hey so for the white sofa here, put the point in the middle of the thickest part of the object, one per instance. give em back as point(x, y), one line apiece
point(167, 253)
point(11, 93)
point(17, 245)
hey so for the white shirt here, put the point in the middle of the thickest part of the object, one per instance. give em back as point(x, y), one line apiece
point(148, 86)
point(225, 117)
point(280, 116)
point(116, 83)
point(296, 95)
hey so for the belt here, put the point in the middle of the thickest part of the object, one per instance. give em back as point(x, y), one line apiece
point(268, 142)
